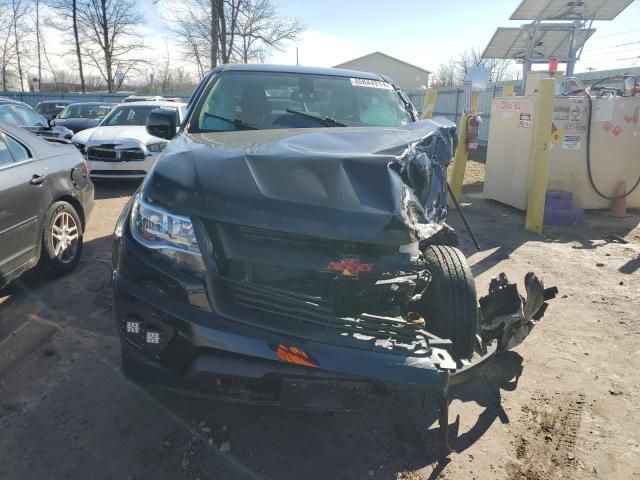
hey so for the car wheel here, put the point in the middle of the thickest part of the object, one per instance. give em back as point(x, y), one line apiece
point(61, 239)
point(449, 305)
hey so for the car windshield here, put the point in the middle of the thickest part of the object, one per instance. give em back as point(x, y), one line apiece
point(128, 115)
point(85, 111)
point(249, 100)
point(48, 108)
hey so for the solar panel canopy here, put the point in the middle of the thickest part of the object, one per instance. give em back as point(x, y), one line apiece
point(570, 9)
point(548, 42)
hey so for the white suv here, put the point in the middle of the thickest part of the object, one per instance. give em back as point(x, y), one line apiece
point(120, 146)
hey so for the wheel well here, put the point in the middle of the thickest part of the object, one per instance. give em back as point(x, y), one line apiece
point(75, 204)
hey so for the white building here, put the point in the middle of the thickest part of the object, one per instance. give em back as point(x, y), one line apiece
point(408, 77)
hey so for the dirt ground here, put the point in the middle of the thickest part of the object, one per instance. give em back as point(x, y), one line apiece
point(564, 405)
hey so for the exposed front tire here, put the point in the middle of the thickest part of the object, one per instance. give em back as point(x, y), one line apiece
point(61, 239)
point(449, 305)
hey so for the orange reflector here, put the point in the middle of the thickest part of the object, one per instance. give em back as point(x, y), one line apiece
point(294, 355)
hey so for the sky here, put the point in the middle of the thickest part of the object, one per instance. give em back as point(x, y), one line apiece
point(425, 33)
point(428, 33)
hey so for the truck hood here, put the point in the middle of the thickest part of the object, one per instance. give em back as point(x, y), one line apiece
point(374, 185)
point(78, 124)
point(118, 135)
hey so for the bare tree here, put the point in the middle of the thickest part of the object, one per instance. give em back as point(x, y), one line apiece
point(222, 31)
point(7, 51)
point(94, 82)
point(69, 11)
point(111, 40)
point(446, 75)
point(499, 69)
point(261, 30)
point(18, 11)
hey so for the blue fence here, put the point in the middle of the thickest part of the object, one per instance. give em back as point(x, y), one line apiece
point(33, 98)
point(449, 104)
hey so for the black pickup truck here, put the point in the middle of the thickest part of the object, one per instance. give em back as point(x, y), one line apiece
point(290, 246)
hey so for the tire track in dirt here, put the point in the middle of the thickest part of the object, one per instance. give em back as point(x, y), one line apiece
point(544, 449)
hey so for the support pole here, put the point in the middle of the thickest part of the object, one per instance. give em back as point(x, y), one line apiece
point(429, 104)
point(526, 68)
point(453, 198)
point(461, 156)
point(540, 155)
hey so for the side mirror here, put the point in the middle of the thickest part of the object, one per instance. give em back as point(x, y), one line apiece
point(162, 123)
point(52, 123)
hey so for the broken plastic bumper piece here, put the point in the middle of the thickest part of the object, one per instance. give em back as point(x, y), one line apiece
point(507, 316)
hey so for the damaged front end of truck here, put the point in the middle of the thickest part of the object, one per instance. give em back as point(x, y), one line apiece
point(326, 260)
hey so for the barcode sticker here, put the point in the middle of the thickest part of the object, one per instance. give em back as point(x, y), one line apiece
point(365, 82)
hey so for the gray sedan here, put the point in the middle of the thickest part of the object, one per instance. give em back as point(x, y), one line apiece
point(47, 197)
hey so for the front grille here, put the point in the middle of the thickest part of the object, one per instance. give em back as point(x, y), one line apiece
point(283, 281)
point(116, 173)
point(288, 240)
point(108, 153)
point(315, 314)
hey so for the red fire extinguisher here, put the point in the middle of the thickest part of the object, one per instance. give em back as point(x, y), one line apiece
point(473, 130)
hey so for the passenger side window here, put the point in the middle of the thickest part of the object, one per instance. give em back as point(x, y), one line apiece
point(20, 152)
point(31, 118)
point(5, 154)
point(6, 115)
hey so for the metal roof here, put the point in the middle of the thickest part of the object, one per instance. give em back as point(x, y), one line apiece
point(386, 56)
point(569, 9)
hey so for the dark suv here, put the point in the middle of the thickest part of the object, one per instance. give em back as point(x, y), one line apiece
point(290, 246)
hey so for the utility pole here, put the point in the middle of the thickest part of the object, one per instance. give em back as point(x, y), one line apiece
point(297, 61)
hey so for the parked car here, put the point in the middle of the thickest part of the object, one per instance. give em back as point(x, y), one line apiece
point(23, 116)
point(142, 98)
point(80, 116)
point(120, 146)
point(51, 108)
point(47, 198)
point(290, 247)
point(6, 100)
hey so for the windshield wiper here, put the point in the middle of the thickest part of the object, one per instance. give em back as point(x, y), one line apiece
point(238, 122)
point(326, 121)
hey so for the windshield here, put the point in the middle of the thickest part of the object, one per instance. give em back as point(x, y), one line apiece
point(85, 111)
point(292, 100)
point(128, 115)
point(48, 108)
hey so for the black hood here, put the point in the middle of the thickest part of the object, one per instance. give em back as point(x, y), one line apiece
point(378, 185)
point(78, 124)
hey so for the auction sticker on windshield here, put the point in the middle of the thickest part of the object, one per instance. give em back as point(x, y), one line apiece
point(365, 82)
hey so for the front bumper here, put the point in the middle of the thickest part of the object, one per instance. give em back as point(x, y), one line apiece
point(133, 169)
point(202, 352)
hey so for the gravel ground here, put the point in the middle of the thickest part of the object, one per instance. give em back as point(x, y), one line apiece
point(562, 405)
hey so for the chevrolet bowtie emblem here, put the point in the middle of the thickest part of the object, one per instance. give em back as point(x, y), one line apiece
point(350, 267)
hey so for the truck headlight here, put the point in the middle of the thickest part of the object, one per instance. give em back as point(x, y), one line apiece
point(171, 236)
point(157, 147)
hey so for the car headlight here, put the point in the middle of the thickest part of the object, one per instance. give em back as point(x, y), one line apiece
point(168, 235)
point(157, 147)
